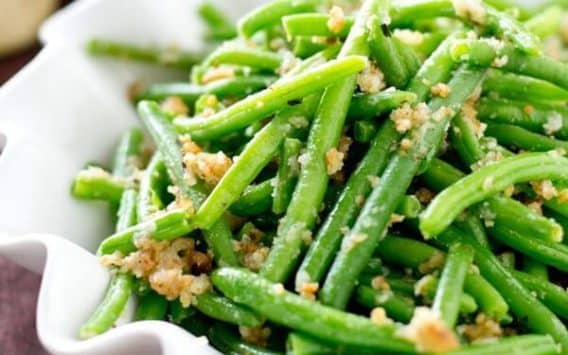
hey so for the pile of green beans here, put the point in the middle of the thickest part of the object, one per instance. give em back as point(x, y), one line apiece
point(347, 179)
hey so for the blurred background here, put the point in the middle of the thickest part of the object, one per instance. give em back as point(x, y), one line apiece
point(19, 21)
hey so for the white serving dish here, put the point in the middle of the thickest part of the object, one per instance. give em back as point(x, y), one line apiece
point(59, 112)
point(62, 110)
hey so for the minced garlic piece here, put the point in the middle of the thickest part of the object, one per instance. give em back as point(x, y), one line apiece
point(536, 207)
point(374, 180)
point(434, 263)
point(174, 105)
point(428, 332)
point(379, 316)
point(443, 113)
point(334, 161)
point(257, 335)
point(371, 80)
point(309, 290)
point(553, 123)
point(483, 328)
point(336, 21)
point(360, 200)
point(472, 10)
point(215, 74)
point(210, 167)
point(440, 89)
point(405, 144)
point(406, 117)
point(413, 38)
point(544, 189)
point(289, 62)
point(500, 62)
point(380, 283)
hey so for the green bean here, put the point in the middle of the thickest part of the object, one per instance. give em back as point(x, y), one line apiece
point(266, 102)
point(488, 298)
point(327, 241)
point(189, 93)
point(287, 175)
point(385, 51)
point(535, 117)
point(257, 59)
point(519, 87)
point(307, 46)
point(220, 308)
point(313, 180)
point(518, 137)
point(513, 7)
point(127, 210)
point(546, 252)
point(397, 307)
point(218, 236)
point(487, 181)
point(151, 306)
point(482, 53)
point(523, 304)
point(450, 288)
point(293, 311)
point(313, 25)
point(219, 26)
point(518, 217)
point(127, 154)
point(97, 184)
point(369, 228)
point(407, 12)
point(110, 308)
point(535, 268)
point(226, 341)
point(546, 23)
point(364, 131)
point(428, 287)
point(409, 56)
point(368, 106)
point(508, 27)
point(255, 200)
point(522, 344)
point(178, 313)
point(169, 57)
point(553, 296)
point(441, 175)
point(300, 344)
point(271, 14)
point(152, 185)
point(254, 157)
point(464, 138)
point(470, 222)
point(508, 259)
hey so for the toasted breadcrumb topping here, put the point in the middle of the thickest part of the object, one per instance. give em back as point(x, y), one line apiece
point(434, 263)
point(500, 62)
point(257, 335)
point(405, 117)
point(553, 123)
point(379, 316)
point(440, 89)
point(334, 161)
point(413, 38)
point(336, 21)
point(528, 109)
point(374, 180)
point(443, 113)
point(405, 144)
point(360, 200)
point(289, 62)
point(210, 167)
point(544, 189)
point(304, 159)
point(484, 328)
point(536, 207)
point(380, 283)
point(371, 80)
point(218, 73)
point(472, 10)
point(309, 290)
point(428, 332)
point(352, 240)
point(396, 218)
point(174, 105)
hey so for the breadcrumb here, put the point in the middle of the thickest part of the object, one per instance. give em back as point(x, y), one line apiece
point(379, 316)
point(562, 196)
point(257, 335)
point(536, 207)
point(380, 283)
point(434, 263)
point(219, 73)
point(428, 332)
point(483, 328)
point(336, 21)
point(440, 89)
point(528, 109)
point(374, 180)
point(553, 123)
point(210, 167)
point(544, 189)
point(443, 113)
point(334, 161)
point(371, 80)
point(472, 10)
point(309, 290)
point(406, 117)
point(174, 105)
point(405, 144)
point(424, 195)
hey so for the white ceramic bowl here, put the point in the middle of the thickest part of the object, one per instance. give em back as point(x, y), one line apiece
point(62, 110)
